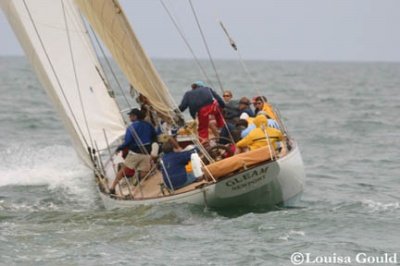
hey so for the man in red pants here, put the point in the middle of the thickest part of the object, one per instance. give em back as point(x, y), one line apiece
point(203, 102)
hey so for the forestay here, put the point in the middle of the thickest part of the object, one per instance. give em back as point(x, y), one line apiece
point(110, 23)
point(54, 38)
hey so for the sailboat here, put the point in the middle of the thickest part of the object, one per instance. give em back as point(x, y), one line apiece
point(56, 39)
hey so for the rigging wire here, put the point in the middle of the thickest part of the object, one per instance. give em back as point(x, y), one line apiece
point(119, 12)
point(109, 67)
point(264, 130)
point(236, 49)
point(161, 97)
point(76, 74)
point(95, 58)
point(171, 100)
point(197, 61)
point(183, 37)
point(79, 132)
point(211, 60)
point(137, 139)
point(166, 173)
point(249, 75)
point(113, 165)
point(206, 46)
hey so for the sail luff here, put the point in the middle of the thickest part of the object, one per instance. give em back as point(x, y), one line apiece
point(111, 25)
point(40, 27)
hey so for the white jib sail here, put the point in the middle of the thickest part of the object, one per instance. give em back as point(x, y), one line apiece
point(56, 43)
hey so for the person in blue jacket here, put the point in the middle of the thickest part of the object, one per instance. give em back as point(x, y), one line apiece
point(173, 166)
point(138, 140)
point(139, 135)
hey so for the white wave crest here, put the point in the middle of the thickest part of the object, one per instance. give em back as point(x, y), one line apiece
point(55, 166)
point(375, 206)
point(291, 234)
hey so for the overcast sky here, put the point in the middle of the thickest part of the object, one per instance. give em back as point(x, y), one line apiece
point(332, 30)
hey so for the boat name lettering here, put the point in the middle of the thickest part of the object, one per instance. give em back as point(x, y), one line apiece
point(247, 179)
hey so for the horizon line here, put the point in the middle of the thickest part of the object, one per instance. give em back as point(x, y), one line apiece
point(256, 60)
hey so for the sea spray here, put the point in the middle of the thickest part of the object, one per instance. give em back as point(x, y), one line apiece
point(54, 166)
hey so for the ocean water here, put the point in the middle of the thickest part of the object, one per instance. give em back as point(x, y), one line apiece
point(345, 117)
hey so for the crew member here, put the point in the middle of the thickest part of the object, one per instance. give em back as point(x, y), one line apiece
point(203, 102)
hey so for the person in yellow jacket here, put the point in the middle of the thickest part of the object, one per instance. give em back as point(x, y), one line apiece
point(260, 136)
point(261, 104)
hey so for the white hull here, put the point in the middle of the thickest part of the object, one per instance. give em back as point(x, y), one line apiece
point(265, 185)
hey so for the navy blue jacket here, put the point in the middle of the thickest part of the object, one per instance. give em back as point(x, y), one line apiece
point(144, 130)
point(198, 98)
point(174, 168)
point(248, 111)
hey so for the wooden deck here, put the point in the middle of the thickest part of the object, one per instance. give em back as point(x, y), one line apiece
point(151, 187)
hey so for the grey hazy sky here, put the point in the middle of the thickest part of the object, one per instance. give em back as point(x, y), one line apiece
point(350, 30)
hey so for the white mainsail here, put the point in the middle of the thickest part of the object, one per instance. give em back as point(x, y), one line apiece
point(57, 44)
point(110, 23)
